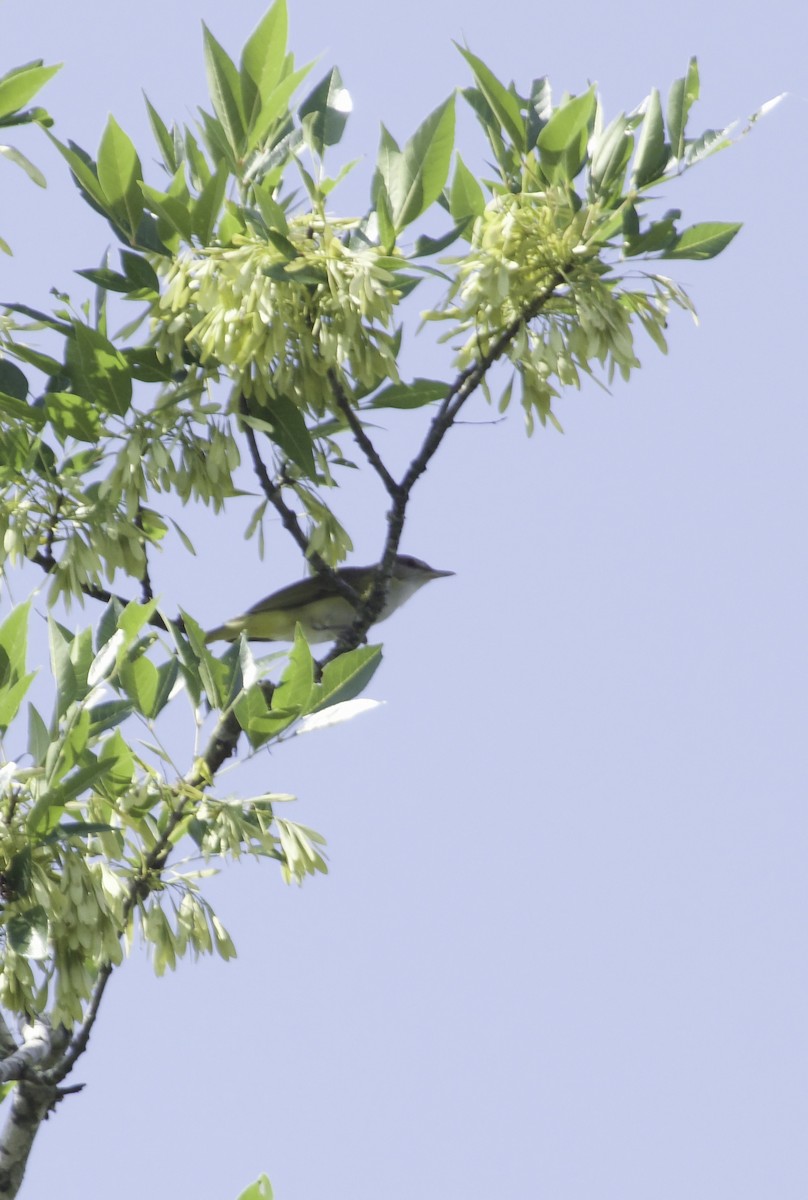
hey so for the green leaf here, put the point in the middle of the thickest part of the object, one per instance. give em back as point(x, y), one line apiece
point(73, 417)
point(106, 659)
point(658, 236)
point(200, 668)
point(503, 103)
point(710, 142)
point(260, 1190)
point(99, 371)
point(162, 137)
point(14, 642)
point(84, 175)
point(610, 156)
point(61, 666)
point(111, 281)
point(325, 111)
point(18, 873)
point(28, 932)
point(652, 152)
point(466, 197)
point(139, 271)
point(683, 95)
point(16, 156)
point(38, 736)
point(347, 676)
point(409, 395)
point(12, 695)
point(287, 428)
point(259, 722)
point(173, 209)
point(108, 715)
point(43, 362)
point(296, 685)
point(134, 617)
point(19, 86)
point(120, 174)
point(140, 680)
point(119, 763)
point(422, 169)
point(425, 246)
point(167, 674)
point(275, 107)
point(265, 51)
point(508, 159)
point(207, 207)
point(566, 124)
point(12, 381)
point(20, 410)
point(539, 109)
point(47, 811)
point(224, 86)
point(703, 241)
point(198, 166)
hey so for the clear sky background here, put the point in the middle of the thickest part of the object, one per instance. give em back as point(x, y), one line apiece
point(562, 948)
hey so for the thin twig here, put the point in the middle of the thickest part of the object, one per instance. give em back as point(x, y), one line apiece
point(146, 593)
point(360, 437)
point(49, 565)
point(274, 495)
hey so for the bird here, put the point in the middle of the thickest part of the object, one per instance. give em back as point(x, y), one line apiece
point(317, 606)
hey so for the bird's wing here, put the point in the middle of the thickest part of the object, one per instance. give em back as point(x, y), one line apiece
point(306, 591)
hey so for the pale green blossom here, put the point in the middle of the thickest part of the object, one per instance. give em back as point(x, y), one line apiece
point(278, 318)
point(535, 259)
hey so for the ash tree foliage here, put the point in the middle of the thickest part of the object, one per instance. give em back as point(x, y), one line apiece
point(262, 335)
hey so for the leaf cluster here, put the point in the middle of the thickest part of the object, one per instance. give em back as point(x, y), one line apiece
point(87, 819)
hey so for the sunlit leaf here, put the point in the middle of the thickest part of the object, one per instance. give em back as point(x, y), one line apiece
point(703, 241)
point(20, 85)
point(119, 174)
point(503, 103)
point(652, 152)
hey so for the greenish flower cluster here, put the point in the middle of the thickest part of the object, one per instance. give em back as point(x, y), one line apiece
point(535, 259)
point(522, 245)
point(71, 914)
point(195, 928)
point(279, 315)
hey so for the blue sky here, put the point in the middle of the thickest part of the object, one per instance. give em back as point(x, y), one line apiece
point(561, 951)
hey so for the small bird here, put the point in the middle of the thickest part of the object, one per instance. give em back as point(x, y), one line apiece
point(322, 613)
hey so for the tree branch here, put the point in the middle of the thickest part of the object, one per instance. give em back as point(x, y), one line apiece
point(50, 565)
point(36, 1046)
point(8, 1043)
point(460, 391)
point(274, 495)
point(360, 437)
point(31, 1102)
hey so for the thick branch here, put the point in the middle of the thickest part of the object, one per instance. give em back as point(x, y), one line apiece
point(30, 1104)
point(8, 1043)
point(36, 1047)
